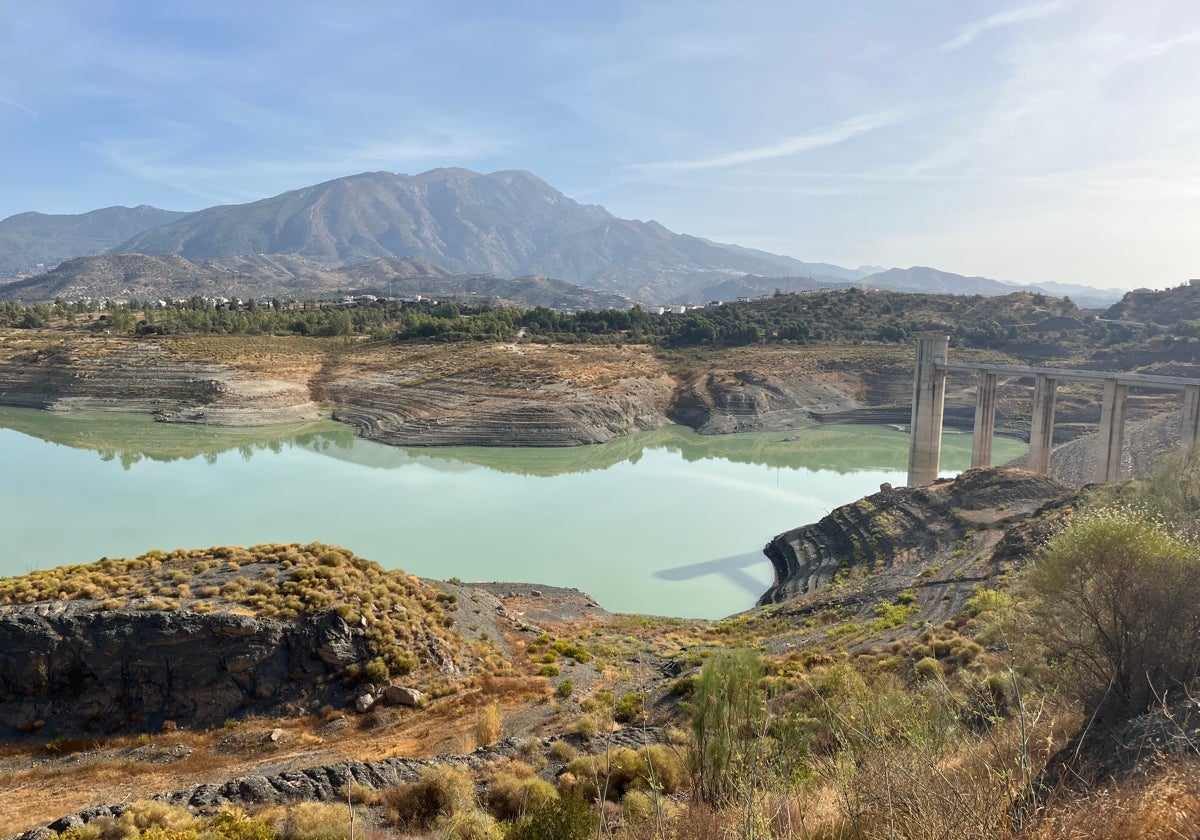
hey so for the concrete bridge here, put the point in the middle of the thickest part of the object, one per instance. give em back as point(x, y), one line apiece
point(929, 392)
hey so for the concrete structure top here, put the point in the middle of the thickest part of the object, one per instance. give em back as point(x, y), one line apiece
point(1168, 383)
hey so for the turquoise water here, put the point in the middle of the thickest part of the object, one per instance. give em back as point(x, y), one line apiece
point(665, 522)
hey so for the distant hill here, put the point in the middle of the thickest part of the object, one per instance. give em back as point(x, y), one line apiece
point(32, 240)
point(170, 276)
point(933, 281)
point(1181, 303)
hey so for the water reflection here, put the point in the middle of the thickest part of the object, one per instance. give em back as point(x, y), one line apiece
point(131, 439)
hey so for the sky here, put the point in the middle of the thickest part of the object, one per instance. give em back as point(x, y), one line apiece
point(1030, 141)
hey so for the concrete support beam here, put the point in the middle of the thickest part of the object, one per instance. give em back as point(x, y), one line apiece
point(985, 421)
point(928, 407)
point(1111, 440)
point(1190, 434)
point(1041, 429)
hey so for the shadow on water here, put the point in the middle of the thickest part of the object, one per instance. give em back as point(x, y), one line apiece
point(732, 568)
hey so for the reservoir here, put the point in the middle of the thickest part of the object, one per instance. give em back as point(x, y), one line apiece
point(665, 522)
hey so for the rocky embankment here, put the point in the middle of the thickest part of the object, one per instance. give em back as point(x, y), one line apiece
point(328, 782)
point(66, 667)
point(398, 408)
point(937, 540)
point(143, 377)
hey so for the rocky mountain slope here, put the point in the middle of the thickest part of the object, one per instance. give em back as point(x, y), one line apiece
point(29, 241)
point(505, 223)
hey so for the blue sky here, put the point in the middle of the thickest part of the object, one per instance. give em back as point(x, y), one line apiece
point(1030, 141)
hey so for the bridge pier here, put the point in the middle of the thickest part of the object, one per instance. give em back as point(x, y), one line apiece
point(1041, 427)
point(985, 421)
point(928, 407)
point(1111, 440)
point(1190, 434)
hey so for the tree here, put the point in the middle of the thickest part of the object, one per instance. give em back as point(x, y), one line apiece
point(739, 747)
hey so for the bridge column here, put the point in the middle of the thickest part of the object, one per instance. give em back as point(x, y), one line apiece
point(1041, 429)
point(1190, 434)
point(985, 421)
point(1112, 432)
point(928, 406)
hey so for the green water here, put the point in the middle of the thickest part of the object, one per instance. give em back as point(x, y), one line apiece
point(666, 522)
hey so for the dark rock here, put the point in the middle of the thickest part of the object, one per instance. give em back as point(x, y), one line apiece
point(78, 669)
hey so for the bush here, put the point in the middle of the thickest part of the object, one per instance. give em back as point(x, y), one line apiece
point(441, 790)
point(513, 794)
point(571, 819)
point(1120, 606)
point(488, 726)
point(472, 824)
point(987, 600)
point(630, 709)
point(564, 689)
point(234, 824)
point(315, 821)
point(611, 776)
point(927, 668)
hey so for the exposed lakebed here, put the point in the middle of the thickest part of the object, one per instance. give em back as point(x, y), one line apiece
point(665, 522)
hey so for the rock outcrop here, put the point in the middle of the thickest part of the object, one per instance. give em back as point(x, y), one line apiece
point(142, 377)
point(746, 400)
point(454, 411)
point(67, 667)
point(928, 538)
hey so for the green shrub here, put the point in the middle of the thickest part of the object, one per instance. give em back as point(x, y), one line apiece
point(613, 774)
point(565, 688)
point(471, 824)
point(513, 794)
point(987, 600)
point(630, 708)
point(234, 824)
point(927, 668)
point(571, 819)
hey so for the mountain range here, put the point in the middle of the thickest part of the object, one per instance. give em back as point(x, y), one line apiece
point(466, 224)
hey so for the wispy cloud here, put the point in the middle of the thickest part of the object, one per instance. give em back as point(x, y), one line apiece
point(17, 105)
point(1153, 50)
point(158, 162)
point(825, 136)
point(1022, 14)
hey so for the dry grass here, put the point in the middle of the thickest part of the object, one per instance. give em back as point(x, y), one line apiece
point(1163, 805)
